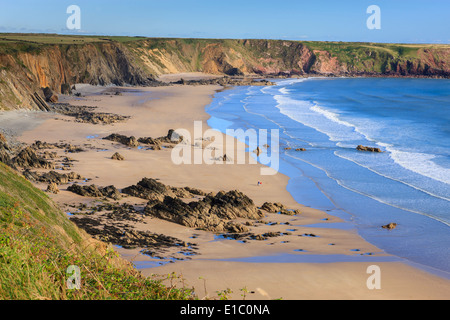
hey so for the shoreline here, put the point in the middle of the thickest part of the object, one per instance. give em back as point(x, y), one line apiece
point(91, 165)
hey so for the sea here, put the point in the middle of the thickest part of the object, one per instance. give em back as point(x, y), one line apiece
point(408, 183)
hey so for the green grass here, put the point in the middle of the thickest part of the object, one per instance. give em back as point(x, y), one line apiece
point(38, 243)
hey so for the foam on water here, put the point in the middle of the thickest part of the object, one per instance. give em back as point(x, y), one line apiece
point(407, 183)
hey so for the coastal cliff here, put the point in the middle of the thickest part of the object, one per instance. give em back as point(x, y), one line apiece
point(30, 63)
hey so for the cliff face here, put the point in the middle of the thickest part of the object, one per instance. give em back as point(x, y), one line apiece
point(26, 69)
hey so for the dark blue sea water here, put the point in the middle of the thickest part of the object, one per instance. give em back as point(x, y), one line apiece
point(409, 183)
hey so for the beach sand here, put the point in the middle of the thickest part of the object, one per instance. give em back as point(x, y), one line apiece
point(325, 269)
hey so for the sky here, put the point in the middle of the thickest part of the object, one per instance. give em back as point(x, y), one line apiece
point(401, 21)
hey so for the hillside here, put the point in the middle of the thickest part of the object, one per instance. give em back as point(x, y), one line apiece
point(29, 63)
point(38, 243)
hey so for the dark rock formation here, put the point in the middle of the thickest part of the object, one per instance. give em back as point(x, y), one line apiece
point(278, 208)
point(49, 95)
point(228, 81)
point(148, 189)
point(390, 226)
point(95, 192)
point(117, 156)
point(53, 188)
point(155, 143)
point(128, 141)
point(213, 213)
point(370, 149)
point(27, 158)
point(51, 177)
point(126, 236)
point(84, 114)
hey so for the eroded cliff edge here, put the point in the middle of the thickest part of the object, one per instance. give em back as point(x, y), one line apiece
point(28, 66)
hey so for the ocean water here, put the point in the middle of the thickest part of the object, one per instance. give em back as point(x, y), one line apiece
point(408, 183)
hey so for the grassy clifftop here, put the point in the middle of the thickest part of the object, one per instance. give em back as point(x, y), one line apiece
point(38, 243)
point(29, 62)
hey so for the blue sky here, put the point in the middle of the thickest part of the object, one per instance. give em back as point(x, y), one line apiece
point(405, 21)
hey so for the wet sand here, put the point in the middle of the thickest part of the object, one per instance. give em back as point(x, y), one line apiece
point(331, 265)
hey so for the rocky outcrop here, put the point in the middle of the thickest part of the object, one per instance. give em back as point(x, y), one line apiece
point(390, 226)
point(53, 188)
point(117, 156)
point(27, 158)
point(227, 81)
point(128, 237)
point(95, 192)
point(278, 208)
point(370, 149)
point(27, 68)
point(51, 177)
point(128, 141)
point(85, 114)
point(213, 213)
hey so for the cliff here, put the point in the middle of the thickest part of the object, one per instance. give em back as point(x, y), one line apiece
point(29, 63)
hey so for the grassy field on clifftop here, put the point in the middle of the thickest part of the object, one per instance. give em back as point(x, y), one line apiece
point(38, 243)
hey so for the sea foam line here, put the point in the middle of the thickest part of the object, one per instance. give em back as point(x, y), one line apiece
point(369, 195)
point(391, 178)
point(421, 163)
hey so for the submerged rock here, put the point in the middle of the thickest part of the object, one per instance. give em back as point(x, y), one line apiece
point(370, 149)
point(53, 188)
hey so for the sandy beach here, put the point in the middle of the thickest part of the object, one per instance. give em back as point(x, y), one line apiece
point(332, 264)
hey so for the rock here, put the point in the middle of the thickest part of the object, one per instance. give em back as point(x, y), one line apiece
point(111, 192)
point(66, 89)
point(278, 208)
point(72, 149)
point(37, 145)
point(117, 156)
point(127, 237)
point(300, 149)
point(48, 177)
point(3, 139)
point(128, 141)
point(49, 95)
point(94, 191)
point(174, 137)
point(272, 207)
point(155, 143)
point(5, 158)
point(85, 191)
point(27, 158)
point(85, 115)
point(149, 189)
point(370, 149)
point(40, 102)
point(213, 213)
point(4, 152)
point(390, 226)
point(53, 188)
point(195, 191)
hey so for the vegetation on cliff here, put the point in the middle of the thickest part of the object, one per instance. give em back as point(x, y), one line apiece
point(38, 243)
